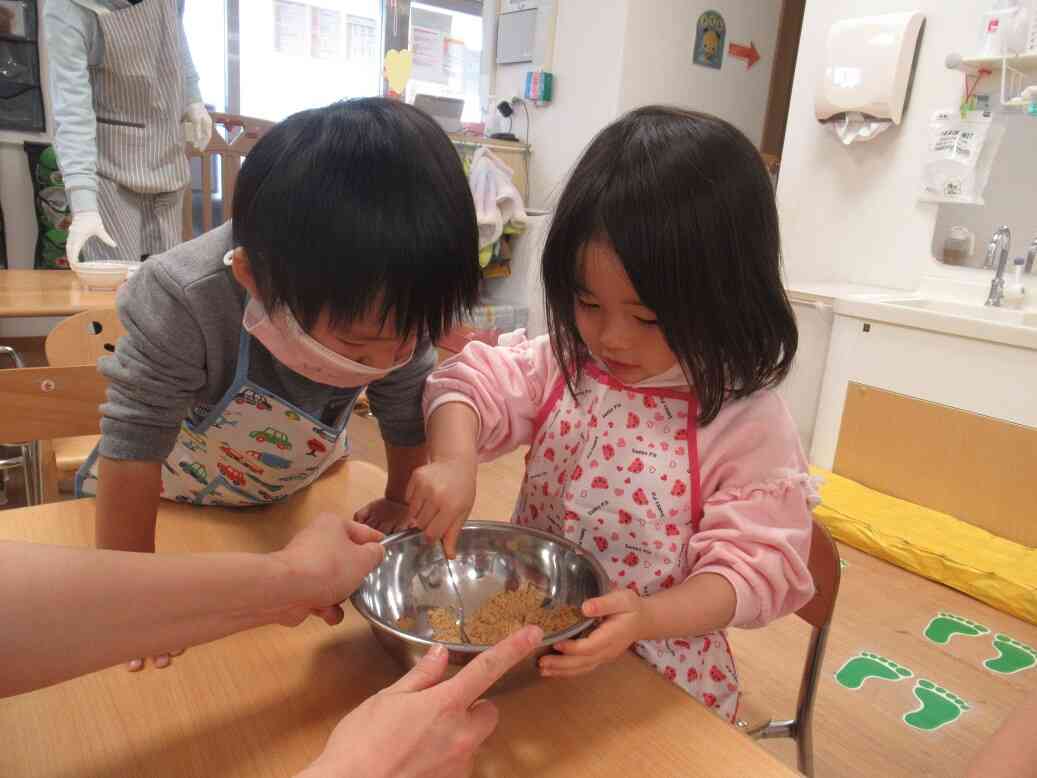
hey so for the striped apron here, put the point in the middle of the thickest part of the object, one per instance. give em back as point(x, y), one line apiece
point(138, 98)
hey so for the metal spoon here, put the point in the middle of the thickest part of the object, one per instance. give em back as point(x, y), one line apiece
point(457, 593)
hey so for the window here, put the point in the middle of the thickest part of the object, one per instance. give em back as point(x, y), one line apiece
point(271, 58)
point(326, 31)
point(289, 55)
point(447, 45)
point(206, 28)
point(363, 40)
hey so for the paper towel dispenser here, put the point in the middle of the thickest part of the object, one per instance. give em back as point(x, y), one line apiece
point(868, 67)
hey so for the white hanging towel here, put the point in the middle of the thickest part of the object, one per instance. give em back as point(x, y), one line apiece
point(497, 201)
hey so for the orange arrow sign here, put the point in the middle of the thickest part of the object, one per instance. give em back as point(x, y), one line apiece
point(748, 53)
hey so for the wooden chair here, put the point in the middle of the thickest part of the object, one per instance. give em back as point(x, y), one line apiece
point(824, 567)
point(41, 403)
point(78, 341)
point(232, 138)
point(21, 456)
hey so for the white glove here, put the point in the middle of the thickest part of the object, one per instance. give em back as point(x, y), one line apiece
point(197, 126)
point(84, 226)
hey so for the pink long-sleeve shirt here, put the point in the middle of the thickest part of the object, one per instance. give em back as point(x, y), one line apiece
point(756, 491)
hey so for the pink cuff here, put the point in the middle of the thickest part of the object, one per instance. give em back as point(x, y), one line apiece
point(747, 604)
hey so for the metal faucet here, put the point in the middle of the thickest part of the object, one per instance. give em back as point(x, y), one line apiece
point(1031, 255)
point(999, 247)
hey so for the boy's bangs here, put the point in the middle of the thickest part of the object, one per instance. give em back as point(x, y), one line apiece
point(360, 204)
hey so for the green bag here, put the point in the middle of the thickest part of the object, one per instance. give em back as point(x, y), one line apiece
point(53, 214)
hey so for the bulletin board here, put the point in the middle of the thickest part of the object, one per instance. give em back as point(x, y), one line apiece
point(21, 93)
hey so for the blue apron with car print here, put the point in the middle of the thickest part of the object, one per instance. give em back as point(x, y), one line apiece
point(251, 448)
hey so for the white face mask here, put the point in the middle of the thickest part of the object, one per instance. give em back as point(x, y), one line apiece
point(284, 337)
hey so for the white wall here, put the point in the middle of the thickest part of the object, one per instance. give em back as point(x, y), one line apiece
point(658, 68)
point(588, 59)
point(852, 214)
point(611, 57)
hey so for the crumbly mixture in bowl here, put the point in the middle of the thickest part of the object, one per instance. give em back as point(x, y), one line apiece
point(499, 616)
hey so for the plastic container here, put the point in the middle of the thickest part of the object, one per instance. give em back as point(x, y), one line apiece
point(1005, 30)
point(1031, 38)
point(102, 276)
point(958, 246)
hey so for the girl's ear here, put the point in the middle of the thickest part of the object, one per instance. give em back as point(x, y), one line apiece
point(242, 271)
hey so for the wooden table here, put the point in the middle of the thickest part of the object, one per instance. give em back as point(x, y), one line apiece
point(34, 293)
point(262, 703)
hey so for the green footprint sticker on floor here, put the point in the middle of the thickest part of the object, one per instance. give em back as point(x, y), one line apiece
point(939, 707)
point(946, 625)
point(865, 665)
point(1012, 657)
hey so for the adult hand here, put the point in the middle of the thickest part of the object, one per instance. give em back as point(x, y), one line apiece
point(624, 624)
point(329, 559)
point(325, 563)
point(419, 727)
point(85, 225)
point(441, 495)
point(198, 129)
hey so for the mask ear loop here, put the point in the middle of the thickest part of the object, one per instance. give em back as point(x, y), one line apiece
point(228, 261)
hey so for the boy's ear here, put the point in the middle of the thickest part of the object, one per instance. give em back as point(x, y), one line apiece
point(242, 271)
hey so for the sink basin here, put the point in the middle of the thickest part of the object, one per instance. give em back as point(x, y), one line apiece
point(985, 312)
point(980, 322)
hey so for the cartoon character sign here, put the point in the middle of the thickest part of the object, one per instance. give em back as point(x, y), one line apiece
point(710, 33)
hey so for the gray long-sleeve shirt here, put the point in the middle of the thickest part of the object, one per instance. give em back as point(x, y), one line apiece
point(74, 44)
point(183, 311)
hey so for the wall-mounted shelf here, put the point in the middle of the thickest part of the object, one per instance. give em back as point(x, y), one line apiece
point(515, 155)
point(1016, 72)
point(1026, 61)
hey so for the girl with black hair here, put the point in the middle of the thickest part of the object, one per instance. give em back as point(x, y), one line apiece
point(655, 440)
point(353, 247)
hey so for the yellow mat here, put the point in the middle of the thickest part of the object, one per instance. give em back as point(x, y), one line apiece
point(996, 571)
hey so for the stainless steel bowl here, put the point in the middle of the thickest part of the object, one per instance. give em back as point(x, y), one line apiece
point(491, 557)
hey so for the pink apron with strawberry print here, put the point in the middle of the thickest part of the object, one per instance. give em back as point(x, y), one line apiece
point(615, 469)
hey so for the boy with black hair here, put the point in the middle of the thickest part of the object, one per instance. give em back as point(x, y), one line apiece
point(352, 248)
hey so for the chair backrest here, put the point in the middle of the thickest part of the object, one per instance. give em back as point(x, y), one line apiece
point(233, 136)
point(40, 403)
point(824, 567)
point(84, 338)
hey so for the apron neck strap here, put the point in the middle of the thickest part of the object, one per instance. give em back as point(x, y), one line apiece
point(244, 354)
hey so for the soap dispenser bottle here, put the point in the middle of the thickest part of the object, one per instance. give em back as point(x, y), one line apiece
point(1015, 292)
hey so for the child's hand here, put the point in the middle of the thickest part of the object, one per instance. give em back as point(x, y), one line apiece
point(624, 623)
point(384, 515)
point(440, 496)
point(164, 660)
